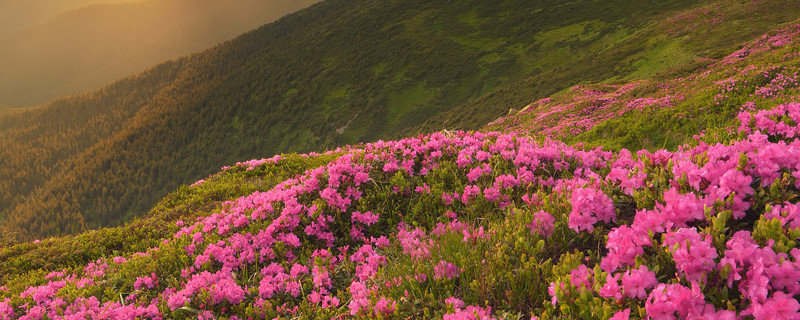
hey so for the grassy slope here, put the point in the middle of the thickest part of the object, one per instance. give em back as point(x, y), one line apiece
point(506, 288)
point(364, 68)
point(185, 203)
point(668, 110)
point(670, 47)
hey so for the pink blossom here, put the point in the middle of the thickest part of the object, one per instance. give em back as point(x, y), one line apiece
point(621, 315)
point(693, 255)
point(588, 207)
point(581, 277)
point(542, 224)
point(780, 306)
point(470, 313)
point(446, 270)
point(611, 289)
point(367, 218)
point(636, 281)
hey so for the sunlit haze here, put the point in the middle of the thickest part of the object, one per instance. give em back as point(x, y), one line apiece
point(58, 48)
point(16, 15)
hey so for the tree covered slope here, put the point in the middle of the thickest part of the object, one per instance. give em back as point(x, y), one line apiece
point(508, 224)
point(338, 72)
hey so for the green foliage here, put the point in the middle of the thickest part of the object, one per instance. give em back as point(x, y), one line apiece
point(338, 72)
point(187, 203)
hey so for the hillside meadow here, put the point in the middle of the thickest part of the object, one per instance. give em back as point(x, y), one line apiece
point(507, 222)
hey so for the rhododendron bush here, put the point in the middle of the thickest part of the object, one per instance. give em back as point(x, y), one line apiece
point(463, 225)
point(459, 225)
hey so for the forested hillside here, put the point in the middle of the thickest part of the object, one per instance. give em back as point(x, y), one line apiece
point(668, 190)
point(339, 72)
point(83, 49)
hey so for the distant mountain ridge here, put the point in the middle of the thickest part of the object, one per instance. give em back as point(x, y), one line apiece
point(338, 72)
point(16, 15)
point(83, 49)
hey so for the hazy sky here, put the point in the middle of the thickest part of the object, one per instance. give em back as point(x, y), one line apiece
point(72, 46)
point(18, 14)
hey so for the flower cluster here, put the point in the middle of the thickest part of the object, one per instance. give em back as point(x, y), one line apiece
point(395, 229)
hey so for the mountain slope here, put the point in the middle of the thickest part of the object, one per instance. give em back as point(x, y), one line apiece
point(86, 48)
point(452, 225)
point(478, 225)
point(671, 47)
point(338, 72)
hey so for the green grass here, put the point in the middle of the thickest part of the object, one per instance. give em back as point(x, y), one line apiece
point(380, 69)
point(402, 67)
point(664, 54)
point(697, 102)
point(584, 31)
point(672, 45)
point(408, 101)
point(186, 203)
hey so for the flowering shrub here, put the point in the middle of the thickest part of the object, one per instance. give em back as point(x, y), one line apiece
point(708, 231)
point(462, 225)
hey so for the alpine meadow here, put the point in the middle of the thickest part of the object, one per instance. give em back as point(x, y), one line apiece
point(410, 159)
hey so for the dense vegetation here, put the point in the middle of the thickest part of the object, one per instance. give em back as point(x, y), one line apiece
point(670, 47)
point(88, 47)
point(464, 226)
point(478, 225)
point(666, 112)
point(339, 72)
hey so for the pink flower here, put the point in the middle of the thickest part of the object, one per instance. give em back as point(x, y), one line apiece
point(6, 310)
point(297, 270)
point(785, 276)
point(667, 299)
point(637, 281)
point(469, 192)
point(621, 315)
point(367, 218)
point(491, 194)
point(680, 209)
point(624, 245)
point(390, 167)
point(457, 304)
point(735, 181)
point(320, 278)
point(611, 289)
point(542, 224)
point(176, 301)
point(470, 313)
point(588, 207)
point(780, 307)
point(693, 255)
point(384, 306)
point(477, 172)
point(581, 277)
point(446, 270)
point(148, 281)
